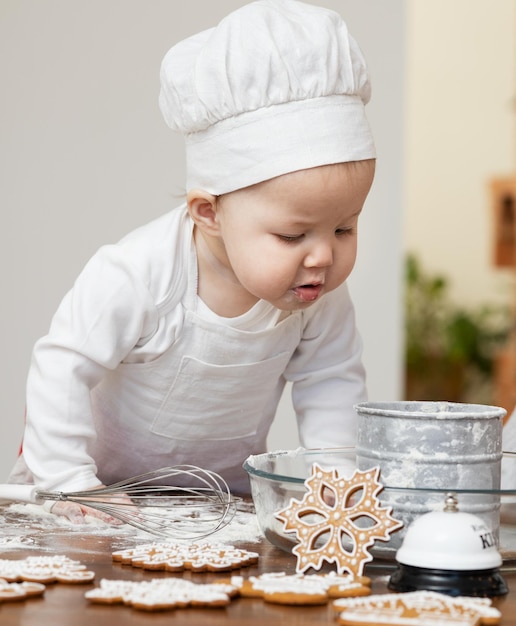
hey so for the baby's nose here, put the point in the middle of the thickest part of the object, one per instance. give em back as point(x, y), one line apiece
point(320, 255)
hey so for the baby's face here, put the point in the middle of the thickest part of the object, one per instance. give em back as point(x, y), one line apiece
point(292, 239)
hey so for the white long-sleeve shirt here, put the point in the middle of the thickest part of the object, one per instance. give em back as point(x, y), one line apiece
point(137, 373)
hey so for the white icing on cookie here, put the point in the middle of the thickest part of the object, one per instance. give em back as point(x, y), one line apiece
point(416, 608)
point(178, 556)
point(19, 591)
point(160, 594)
point(45, 569)
point(301, 588)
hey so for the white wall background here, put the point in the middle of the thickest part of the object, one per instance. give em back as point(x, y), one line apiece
point(460, 133)
point(85, 157)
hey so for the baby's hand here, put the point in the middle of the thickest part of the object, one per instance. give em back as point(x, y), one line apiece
point(76, 513)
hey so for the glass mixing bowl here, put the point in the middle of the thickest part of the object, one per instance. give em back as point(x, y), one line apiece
point(276, 477)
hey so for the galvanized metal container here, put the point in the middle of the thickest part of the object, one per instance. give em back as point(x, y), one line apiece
point(425, 448)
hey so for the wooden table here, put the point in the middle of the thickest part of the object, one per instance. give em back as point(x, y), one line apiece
point(65, 605)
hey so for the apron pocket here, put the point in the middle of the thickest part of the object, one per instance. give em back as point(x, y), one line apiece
point(218, 402)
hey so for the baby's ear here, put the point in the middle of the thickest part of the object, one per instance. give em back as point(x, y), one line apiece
point(202, 207)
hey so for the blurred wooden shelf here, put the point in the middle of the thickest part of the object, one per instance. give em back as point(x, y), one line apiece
point(505, 379)
point(503, 201)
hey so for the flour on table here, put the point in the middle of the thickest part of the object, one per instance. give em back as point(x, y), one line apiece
point(21, 523)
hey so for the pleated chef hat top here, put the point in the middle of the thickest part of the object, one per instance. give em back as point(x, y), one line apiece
point(277, 86)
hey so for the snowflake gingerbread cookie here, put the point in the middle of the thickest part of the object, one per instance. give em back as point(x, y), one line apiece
point(301, 589)
point(176, 557)
point(421, 608)
point(20, 591)
point(338, 519)
point(45, 569)
point(161, 594)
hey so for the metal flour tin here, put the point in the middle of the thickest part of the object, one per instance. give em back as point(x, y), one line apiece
point(425, 446)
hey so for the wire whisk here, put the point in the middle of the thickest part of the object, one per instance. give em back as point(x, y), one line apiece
point(179, 502)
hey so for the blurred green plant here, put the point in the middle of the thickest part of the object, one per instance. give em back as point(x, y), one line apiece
point(449, 350)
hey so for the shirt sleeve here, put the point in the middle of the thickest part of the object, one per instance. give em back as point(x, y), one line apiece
point(327, 374)
point(98, 322)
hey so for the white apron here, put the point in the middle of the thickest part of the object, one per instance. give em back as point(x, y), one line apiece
point(208, 400)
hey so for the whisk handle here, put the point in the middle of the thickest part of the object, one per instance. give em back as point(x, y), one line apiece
point(19, 493)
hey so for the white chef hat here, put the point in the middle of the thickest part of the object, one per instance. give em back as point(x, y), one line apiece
point(277, 86)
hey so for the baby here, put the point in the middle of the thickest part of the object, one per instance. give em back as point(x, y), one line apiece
point(174, 345)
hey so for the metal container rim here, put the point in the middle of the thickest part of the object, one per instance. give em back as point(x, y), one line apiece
point(433, 410)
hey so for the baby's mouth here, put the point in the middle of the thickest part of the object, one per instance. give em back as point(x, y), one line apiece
point(308, 293)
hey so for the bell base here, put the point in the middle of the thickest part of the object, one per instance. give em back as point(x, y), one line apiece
point(476, 583)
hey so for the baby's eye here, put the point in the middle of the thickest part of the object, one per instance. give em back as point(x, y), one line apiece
point(340, 232)
point(290, 238)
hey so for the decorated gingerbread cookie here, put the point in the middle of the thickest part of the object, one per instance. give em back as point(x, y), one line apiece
point(175, 557)
point(297, 589)
point(338, 520)
point(161, 594)
point(45, 569)
point(416, 608)
point(10, 592)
